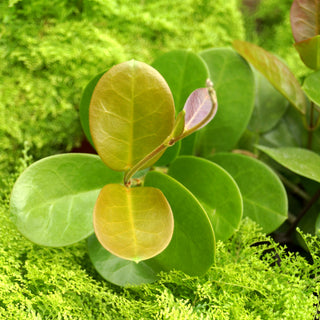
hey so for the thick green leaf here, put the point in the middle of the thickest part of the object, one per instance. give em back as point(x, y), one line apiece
point(184, 72)
point(264, 197)
point(52, 201)
point(311, 87)
point(275, 71)
point(131, 113)
point(301, 161)
point(192, 248)
point(133, 223)
point(234, 84)
point(85, 104)
point(116, 270)
point(269, 106)
point(215, 189)
point(309, 51)
point(305, 19)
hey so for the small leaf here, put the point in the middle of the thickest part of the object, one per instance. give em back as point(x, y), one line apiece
point(52, 201)
point(215, 189)
point(131, 113)
point(198, 107)
point(133, 223)
point(311, 87)
point(301, 161)
point(85, 104)
point(116, 270)
point(234, 84)
point(264, 197)
point(192, 248)
point(309, 51)
point(305, 19)
point(275, 71)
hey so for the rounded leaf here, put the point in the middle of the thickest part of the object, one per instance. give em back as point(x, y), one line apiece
point(133, 223)
point(234, 84)
point(215, 189)
point(264, 197)
point(52, 201)
point(301, 161)
point(131, 113)
point(192, 248)
point(275, 71)
point(119, 271)
point(309, 51)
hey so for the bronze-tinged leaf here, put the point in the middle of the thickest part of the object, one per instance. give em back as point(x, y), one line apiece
point(133, 223)
point(199, 109)
point(275, 71)
point(131, 113)
point(309, 51)
point(305, 19)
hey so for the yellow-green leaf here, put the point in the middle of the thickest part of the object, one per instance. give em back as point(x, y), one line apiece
point(309, 51)
point(131, 113)
point(133, 223)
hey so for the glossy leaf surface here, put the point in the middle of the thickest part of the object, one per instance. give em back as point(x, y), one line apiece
point(85, 104)
point(192, 248)
point(184, 72)
point(269, 106)
point(301, 161)
point(264, 197)
point(197, 108)
point(133, 223)
point(311, 87)
point(131, 113)
point(215, 189)
point(52, 201)
point(275, 71)
point(234, 84)
point(309, 51)
point(305, 19)
point(116, 270)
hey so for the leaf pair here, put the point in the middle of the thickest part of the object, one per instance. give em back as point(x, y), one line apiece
point(132, 122)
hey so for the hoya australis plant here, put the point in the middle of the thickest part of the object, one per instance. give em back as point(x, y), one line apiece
point(137, 229)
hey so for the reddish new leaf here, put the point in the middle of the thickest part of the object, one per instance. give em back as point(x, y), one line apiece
point(275, 71)
point(305, 19)
point(200, 108)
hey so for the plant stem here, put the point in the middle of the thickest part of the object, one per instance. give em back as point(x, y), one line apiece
point(294, 188)
point(303, 212)
point(128, 175)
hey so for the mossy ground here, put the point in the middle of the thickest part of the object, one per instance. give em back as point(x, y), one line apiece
point(49, 50)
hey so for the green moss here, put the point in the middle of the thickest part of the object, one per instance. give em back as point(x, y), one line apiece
point(50, 50)
point(253, 278)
